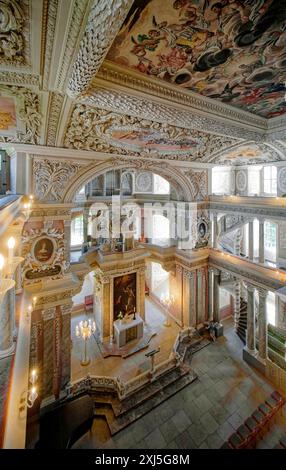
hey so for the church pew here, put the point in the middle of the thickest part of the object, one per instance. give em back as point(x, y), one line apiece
point(254, 424)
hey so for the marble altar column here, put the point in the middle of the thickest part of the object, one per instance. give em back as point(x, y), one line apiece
point(250, 241)
point(187, 298)
point(50, 349)
point(216, 308)
point(262, 325)
point(261, 241)
point(250, 334)
point(141, 284)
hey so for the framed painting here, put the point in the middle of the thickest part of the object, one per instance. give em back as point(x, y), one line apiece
point(44, 250)
point(124, 295)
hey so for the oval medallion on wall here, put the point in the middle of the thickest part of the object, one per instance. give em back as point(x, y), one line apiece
point(241, 180)
point(282, 180)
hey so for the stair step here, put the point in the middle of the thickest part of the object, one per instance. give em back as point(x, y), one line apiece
point(127, 418)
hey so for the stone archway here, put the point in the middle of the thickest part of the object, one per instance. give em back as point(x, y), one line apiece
point(180, 181)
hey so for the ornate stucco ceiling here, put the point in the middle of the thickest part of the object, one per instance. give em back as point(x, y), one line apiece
point(57, 89)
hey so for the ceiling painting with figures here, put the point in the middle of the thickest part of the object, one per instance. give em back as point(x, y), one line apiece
point(233, 51)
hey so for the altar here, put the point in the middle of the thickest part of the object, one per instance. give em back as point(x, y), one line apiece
point(128, 330)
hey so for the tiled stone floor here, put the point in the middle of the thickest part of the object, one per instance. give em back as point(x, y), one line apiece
point(203, 414)
point(116, 366)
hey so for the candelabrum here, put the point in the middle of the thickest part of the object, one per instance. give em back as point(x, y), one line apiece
point(84, 330)
point(167, 301)
point(30, 396)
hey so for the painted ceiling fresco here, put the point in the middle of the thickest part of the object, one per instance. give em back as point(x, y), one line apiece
point(7, 115)
point(230, 50)
point(140, 139)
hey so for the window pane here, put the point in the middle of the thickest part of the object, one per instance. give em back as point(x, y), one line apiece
point(77, 231)
point(161, 186)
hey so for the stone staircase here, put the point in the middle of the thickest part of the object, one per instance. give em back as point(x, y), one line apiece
point(119, 414)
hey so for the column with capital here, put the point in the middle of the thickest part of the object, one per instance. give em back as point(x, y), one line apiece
point(250, 334)
point(261, 241)
point(237, 301)
point(216, 309)
point(211, 294)
point(85, 224)
point(250, 241)
point(67, 238)
point(214, 230)
point(262, 325)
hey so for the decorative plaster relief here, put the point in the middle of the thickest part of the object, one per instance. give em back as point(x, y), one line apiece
point(282, 180)
point(51, 178)
point(27, 115)
point(14, 32)
point(43, 250)
point(248, 153)
point(241, 180)
point(199, 184)
point(112, 100)
point(104, 22)
point(143, 182)
point(93, 129)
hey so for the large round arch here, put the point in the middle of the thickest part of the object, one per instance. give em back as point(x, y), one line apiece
point(179, 181)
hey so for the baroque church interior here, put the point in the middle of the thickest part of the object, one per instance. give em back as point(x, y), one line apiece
point(142, 224)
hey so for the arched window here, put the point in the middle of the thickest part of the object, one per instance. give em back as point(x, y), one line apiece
point(270, 243)
point(221, 180)
point(161, 186)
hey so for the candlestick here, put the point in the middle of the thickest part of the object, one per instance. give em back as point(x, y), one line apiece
point(84, 330)
point(11, 245)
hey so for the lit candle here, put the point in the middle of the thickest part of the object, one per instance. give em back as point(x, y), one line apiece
point(30, 308)
point(33, 376)
point(32, 396)
point(2, 262)
point(31, 197)
point(34, 301)
point(11, 245)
